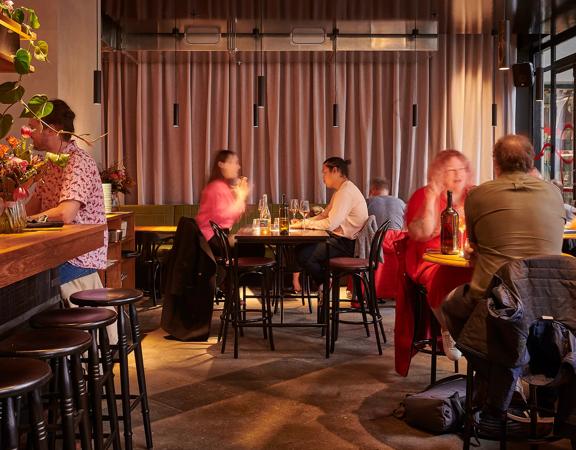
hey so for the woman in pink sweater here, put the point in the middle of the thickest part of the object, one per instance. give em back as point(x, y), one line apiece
point(223, 199)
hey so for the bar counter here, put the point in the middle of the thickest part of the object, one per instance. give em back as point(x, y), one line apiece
point(31, 252)
point(27, 282)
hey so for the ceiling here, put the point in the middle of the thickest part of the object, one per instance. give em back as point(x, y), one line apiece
point(454, 16)
point(142, 21)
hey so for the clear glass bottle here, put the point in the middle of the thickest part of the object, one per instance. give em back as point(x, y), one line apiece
point(284, 222)
point(449, 232)
point(265, 216)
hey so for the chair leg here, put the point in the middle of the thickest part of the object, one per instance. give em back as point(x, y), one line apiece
point(469, 416)
point(434, 345)
point(81, 400)
point(10, 425)
point(371, 301)
point(326, 314)
point(108, 368)
point(94, 380)
point(335, 301)
point(124, 378)
point(362, 299)
point(37, 423)
point(66, 406)
point(263, 307)
point(235, 321)
point(268, 316)
point(141, 376)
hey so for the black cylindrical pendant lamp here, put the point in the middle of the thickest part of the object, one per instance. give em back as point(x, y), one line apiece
point(261, 91)
point(415, 115)
point(335, 118)
point(176, 115)
point(255, 121)
point(504, 45)
point(494, 114)
point(539, 82)
point(97, 87)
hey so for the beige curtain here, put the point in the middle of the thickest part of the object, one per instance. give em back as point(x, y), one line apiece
point(375, 92)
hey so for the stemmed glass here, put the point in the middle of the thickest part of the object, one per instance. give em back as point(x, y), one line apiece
point(294, 206)
point(462, 232)
point(304, 210)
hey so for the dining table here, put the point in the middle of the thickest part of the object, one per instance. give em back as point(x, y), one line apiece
point(250, 235)
point(435, 256)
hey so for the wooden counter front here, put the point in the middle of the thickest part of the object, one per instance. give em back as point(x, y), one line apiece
point(31, 252)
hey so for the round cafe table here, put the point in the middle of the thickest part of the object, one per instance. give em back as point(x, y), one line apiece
point(446, 260)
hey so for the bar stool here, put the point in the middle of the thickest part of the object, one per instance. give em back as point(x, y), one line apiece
point(422, 315)
point(19, 377)
point(362, 270)
point(95, 321)
point(236, 268)
point(56, 346)
point(123, 299)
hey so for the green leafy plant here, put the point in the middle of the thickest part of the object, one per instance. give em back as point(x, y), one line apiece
point(12, 92)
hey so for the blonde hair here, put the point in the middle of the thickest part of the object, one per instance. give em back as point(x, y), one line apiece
point(437, 166)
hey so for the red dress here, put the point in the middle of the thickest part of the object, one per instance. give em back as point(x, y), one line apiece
point(438, 280)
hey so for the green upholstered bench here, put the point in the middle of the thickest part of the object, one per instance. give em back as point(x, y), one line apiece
point(170, 214)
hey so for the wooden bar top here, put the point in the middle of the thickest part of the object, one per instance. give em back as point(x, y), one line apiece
point(25, 254)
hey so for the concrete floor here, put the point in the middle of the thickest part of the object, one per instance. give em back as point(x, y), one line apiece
point(292, 398)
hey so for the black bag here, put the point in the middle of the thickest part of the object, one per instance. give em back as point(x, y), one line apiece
point(439, 408)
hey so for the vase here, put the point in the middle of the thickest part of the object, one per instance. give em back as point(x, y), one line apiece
point(12, 217)
point(115, 201)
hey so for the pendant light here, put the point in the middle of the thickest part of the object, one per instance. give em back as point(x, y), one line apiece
point(539, 78)
point(335, 112)
point(504, 42)
point(176, 106)
point(255, 112)
point(97, 94)
point(261, 77)
point(414, 38)
point(494, 62)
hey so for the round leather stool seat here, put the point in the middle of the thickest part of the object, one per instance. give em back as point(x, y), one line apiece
point(352, 264)
point(250, 262)
point(78, 318)
point(106, 297)
point(19, 375)
point(46, 343)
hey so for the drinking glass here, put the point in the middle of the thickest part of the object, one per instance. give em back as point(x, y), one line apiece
point(294, 206)
point(256, 225)
point(304, 210)
point(462, 231)
point(276, 224)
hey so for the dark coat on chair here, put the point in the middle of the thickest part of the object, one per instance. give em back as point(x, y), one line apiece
point(496, 330)
point(190, 284)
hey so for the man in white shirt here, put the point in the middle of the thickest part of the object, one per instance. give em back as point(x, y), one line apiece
point(345, 215)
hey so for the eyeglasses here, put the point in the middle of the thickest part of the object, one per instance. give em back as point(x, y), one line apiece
point(456, 171)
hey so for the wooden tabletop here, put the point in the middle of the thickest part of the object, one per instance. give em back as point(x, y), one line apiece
point(446, 260)
point(155, 229)
point(249, 235)
point(25, 254)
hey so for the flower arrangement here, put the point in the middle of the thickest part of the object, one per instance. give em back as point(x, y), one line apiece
point(118, 177)
point(19, 169)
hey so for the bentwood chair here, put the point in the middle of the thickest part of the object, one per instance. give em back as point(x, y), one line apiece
point(235, 311)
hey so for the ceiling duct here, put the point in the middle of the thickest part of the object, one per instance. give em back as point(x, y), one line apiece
point(213, 35)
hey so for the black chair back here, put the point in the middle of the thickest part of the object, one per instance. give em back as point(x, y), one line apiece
point(376, 246)
point(225, 252)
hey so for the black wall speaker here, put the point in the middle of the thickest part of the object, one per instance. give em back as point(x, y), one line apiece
point(523, 74)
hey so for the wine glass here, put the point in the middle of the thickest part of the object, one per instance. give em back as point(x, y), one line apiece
point(462, 235)
point(304, 211)
point(294, 206)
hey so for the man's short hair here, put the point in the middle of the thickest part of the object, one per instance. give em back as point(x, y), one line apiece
point(514, 153)
point(380, 184)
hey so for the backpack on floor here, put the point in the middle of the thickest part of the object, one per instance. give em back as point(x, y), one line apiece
point(439, 408)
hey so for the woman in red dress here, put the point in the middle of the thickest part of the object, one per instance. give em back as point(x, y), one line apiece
point(450, 171)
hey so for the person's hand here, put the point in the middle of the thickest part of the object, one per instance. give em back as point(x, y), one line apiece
point(434, 189)
point(469, 252)
point(242, 188)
